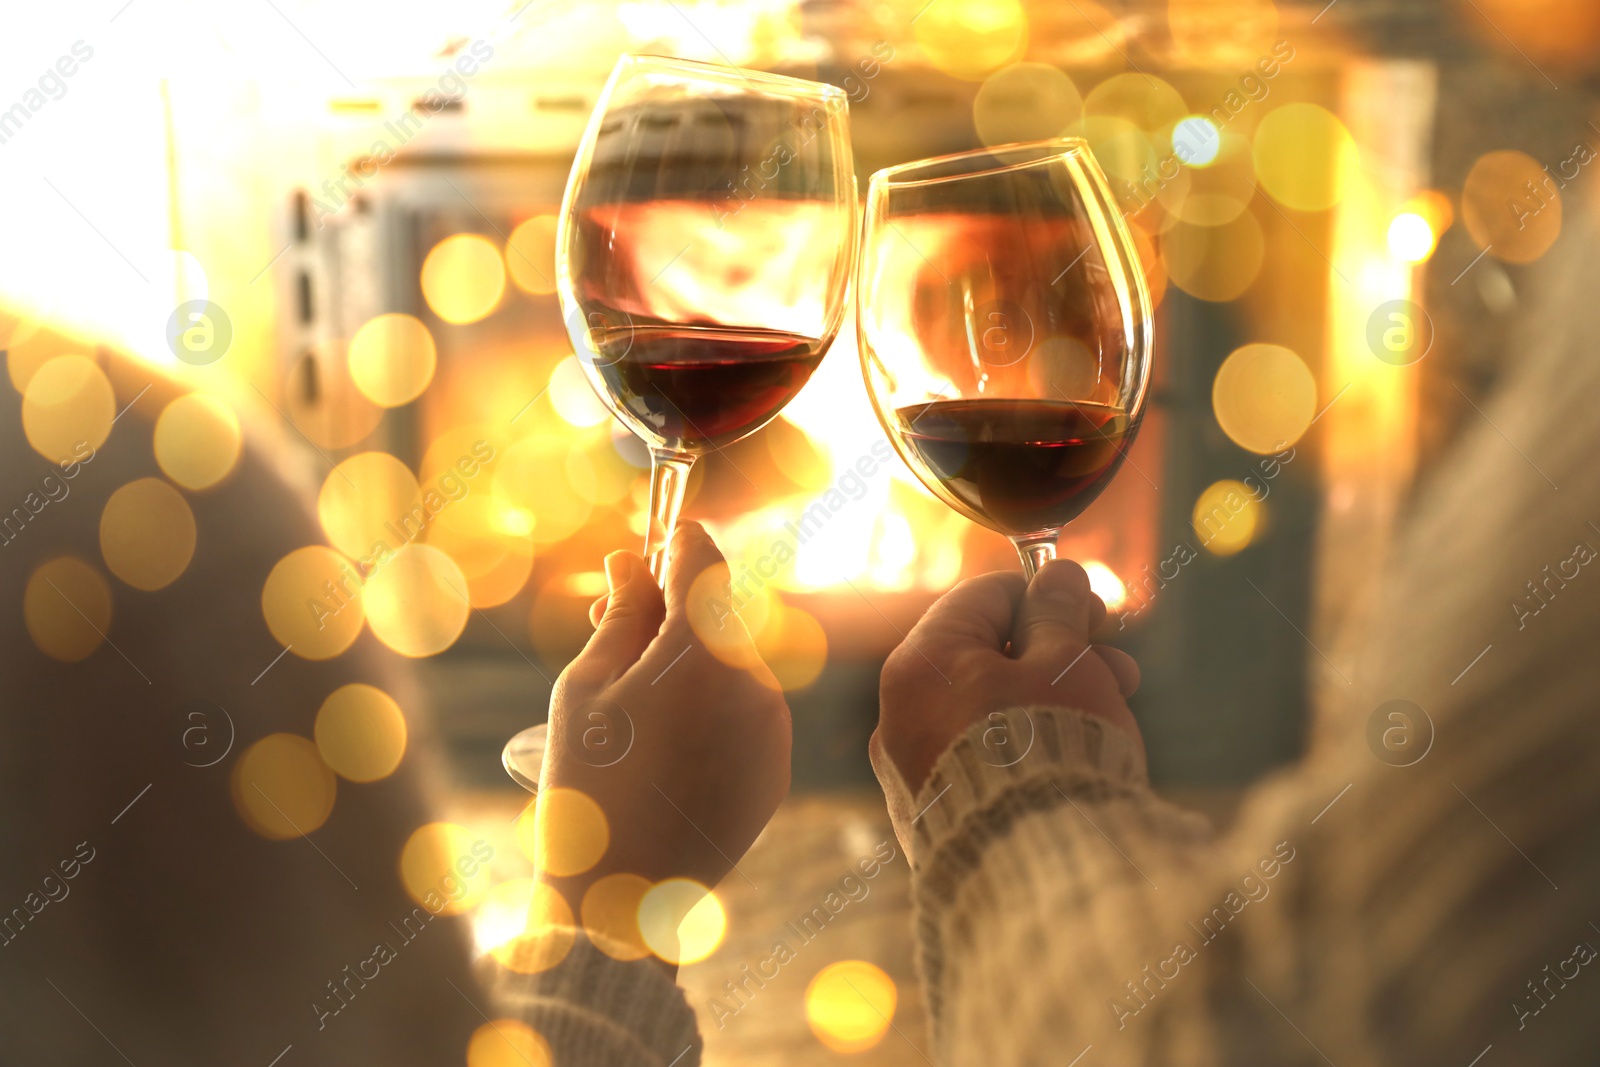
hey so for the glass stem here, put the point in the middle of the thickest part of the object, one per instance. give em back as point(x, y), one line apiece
point(1036, 550)
point(669, 477)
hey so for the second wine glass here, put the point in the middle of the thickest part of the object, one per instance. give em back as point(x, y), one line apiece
point(703, 255)
point(1005, 329)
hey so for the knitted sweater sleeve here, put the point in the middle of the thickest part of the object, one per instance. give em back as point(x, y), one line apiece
point(1359, 913)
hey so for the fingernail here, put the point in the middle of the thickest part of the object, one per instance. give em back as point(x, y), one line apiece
point(619, 568)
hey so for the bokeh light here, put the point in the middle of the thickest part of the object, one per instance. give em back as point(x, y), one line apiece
point(444, 867)
point(681, 920)
point(794, 646)
point(1511, 207)
point(1144, 100)
point(392, 359)
point(1105, 584)
point(360, 732)
point(68, 407)
point(573, 397)
point(850, 1005)
point(507, 1043)
point(1216, 263)
point(197, 440)
point(463, 278)
point(1025, 102)
point(547, 930)
point(147, 534)
point(1226, 517)
point(610, 914)
point(312, 602)
point(1304, 157)
point(1410, 237)
point(971, 38)
point(67, 608)
point(571, 833)
point(1196, 140)
point(531, 255)
point(281, 787)
point(417, 603)
point(370, 499)
point(1264, 397)
point(534, 477)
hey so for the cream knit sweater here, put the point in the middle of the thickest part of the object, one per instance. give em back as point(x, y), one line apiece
point(1444, 912)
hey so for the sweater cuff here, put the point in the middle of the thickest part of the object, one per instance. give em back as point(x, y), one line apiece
point(593, 1008)
point(1064, 754)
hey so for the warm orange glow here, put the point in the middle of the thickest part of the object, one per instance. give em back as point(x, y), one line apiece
point(67, 608)
point(1226, 517)
point(1410, 237)
point(1264, 397)
point(570, 832)
point(312, 602)
point(361, 733)
point(850, 1005)
point(681, 920)
point(392, 359)
point(444, 867)
point(281, 787)
point(463, 278)
point(416, 602)
point(1105, 584)
point(197, 440)
point(1304, 157)
point(971, 38)
point(147, 534)
point(67, 409)
point(1025, 102)
point(507, 1043)
point(531, 255)
point(1511, 206)
point(610, 914)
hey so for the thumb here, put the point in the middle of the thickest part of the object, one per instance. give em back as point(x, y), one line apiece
point(1055, 614)
point(634, 610)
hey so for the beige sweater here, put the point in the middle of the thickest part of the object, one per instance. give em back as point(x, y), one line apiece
point(1358, 912)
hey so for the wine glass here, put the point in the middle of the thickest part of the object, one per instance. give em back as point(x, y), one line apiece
point(704, 251)
point(1005, 332)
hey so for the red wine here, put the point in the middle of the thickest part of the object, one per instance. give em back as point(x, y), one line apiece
point(695, 388)
point(1017, 466)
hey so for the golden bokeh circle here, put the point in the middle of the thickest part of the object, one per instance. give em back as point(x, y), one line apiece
point(281, 787)
point(533, 476)
point(971, 38)
point(531, 255)
point(1141, 99)
point(444, 867)
point(370, 499)
point(417, 602)
point(1501, 213)
point(681, 920)
point(725, 623)
point(463, 278)
point(547, 933)
point(147, 534)
point(850, 1005)
point(67, 608)
point(1025, 102)
point(68, 407)
point(1304, 157)
point(361, 732)
point(1411, 238)
point(571, 833)
point(1264, 397)
point(392, 359)
point(312, 602)
point(197, 440)
point(1226, 517)
point(507, 1043)
point(1215, 263)
point(794, 646)
point(610, 913)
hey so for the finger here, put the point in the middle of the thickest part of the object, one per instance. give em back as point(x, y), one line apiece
point(597, 610)
point(1055, 614)
point(1123, 666)
point(977, 613)
point(1097, 612)
point(631, 618)
point(689, 556)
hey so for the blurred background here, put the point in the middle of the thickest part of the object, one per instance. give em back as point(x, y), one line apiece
point(1340, 206)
